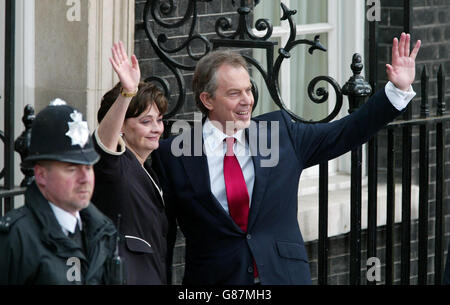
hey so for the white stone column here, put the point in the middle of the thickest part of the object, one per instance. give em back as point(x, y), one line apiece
point(109, 22)
point(73, 44)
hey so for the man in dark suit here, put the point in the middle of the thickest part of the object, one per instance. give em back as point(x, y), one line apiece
point(236, 201)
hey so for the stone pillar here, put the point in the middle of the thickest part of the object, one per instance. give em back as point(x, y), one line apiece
point(73, 43)
point(109, 22)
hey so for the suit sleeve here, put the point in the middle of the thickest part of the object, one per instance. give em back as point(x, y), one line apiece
point(317, 143)
point(159, 168)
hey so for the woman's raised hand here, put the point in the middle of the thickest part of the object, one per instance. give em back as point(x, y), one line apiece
point(128, 73)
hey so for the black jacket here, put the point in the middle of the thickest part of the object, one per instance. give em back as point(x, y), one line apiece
point(447, 269)
point(34, 249)
point(123, 187)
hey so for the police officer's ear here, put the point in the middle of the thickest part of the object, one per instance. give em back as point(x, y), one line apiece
point(41, 173)
point(206, 99)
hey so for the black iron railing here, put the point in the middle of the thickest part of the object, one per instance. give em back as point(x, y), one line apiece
point(426, 125)
point(8, 190)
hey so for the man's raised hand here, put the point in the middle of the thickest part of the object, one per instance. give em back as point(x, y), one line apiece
point(403, 68)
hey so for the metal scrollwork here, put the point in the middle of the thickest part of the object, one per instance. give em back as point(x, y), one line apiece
point(243, 30)
point(155, 9)
point(285, 53)
point(241, 37)
point(323, 94)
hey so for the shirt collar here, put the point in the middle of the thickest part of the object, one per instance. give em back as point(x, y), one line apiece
point(66, 220)
point(213, 137)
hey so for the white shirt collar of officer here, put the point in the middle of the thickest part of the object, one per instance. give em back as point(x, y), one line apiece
point(65, 219)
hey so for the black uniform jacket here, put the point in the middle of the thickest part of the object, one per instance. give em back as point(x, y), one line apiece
point(34, 249)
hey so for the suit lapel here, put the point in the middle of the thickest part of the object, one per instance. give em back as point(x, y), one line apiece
point(261, 178)
point(197, 171)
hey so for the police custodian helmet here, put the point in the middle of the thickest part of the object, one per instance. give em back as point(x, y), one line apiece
point(59, 133)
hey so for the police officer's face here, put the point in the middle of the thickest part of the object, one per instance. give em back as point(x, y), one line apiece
point(142, 133)
point(67, 185)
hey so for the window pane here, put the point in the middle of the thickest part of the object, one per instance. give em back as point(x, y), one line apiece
point(269, 10)
point(309, 11)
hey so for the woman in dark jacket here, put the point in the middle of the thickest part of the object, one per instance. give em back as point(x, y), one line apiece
point(130, 118)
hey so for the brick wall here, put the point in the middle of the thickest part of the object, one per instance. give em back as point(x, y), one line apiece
point(431, 24)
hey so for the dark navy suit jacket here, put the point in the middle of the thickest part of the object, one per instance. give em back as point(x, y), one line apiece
point(217, 250)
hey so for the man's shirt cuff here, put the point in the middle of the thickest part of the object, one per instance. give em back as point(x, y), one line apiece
point(399, 98)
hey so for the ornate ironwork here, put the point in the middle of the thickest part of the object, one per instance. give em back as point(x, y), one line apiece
point(154, 9)
point(22, 144)
point(357, 88)
point(241, 37)
point(2, 137)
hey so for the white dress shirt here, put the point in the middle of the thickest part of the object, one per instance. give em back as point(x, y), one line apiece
point(215, 148)
point(66, 220)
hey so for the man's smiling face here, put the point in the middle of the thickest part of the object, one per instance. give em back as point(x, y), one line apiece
point(233, 100)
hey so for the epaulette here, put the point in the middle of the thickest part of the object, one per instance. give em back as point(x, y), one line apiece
point(9, 219)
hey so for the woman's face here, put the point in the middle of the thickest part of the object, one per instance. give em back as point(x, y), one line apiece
point(142, 133)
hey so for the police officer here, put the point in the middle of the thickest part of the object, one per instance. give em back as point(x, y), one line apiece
point(58, 237)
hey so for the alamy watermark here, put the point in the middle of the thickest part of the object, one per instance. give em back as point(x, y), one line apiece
point(374, 11)
point(373, 269)
point(263, 140)
point(74, 11)
point(73, 274)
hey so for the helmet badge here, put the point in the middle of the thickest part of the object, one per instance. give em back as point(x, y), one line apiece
point(78, 129)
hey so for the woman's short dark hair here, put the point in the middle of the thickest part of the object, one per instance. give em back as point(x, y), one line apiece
point(205, 73)
point(147, 94)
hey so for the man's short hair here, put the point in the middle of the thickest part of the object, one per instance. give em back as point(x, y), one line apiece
point(205, 73)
